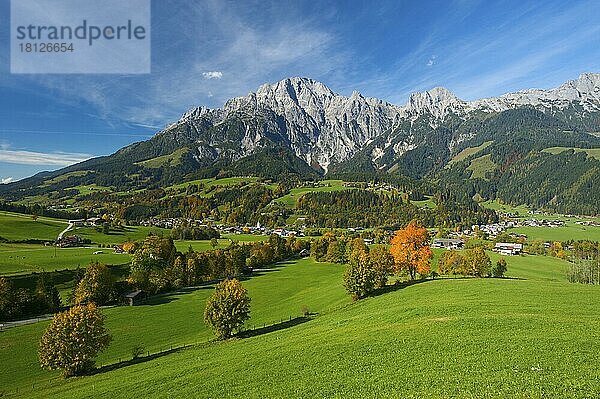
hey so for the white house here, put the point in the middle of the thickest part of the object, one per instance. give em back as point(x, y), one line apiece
point(448, 243)
point(506, 248)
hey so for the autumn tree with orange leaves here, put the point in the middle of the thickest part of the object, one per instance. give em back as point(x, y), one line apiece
point(410, 249)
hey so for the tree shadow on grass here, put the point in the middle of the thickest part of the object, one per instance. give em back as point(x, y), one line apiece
point(397, 286)
point(137, 360)
point(273, 327)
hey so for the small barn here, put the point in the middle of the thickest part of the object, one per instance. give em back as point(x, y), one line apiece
point(304, 253)
point(135, 297)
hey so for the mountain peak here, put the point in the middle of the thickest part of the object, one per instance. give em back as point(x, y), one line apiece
point(439, 101)
point(294, 86)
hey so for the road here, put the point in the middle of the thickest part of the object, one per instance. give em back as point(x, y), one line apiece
point(69, 227)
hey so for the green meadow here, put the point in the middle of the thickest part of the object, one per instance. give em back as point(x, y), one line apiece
point(529, 335)
point(118, 235)
point(176, 319)
point(289, 200)
point(18, 227)
point(591, 152)
point(570, 231)
point(467, 152)
point(18, 258)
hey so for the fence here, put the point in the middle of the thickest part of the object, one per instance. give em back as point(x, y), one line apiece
point(125, 362)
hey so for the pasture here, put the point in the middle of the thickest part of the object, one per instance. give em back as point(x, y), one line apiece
point(525, 337)
point(19, 227)
point(23, 258)
point(570, 231)
point(176, 319)
point(289, 200)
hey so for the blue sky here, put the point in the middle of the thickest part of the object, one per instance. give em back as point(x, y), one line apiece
point(204, 52)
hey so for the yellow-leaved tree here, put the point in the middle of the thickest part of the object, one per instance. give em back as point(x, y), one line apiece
point(73, 340)
point(228, 308)
point(410, 249)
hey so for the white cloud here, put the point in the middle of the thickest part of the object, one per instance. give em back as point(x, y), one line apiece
point(431, 60)
point(212, 75)
point(39, 158)
point(6, 180)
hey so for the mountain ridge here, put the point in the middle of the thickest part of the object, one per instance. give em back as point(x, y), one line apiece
point(300, 127)
point(317, 119)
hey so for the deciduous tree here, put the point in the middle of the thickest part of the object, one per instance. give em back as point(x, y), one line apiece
point(410, 249)
point(382, 263)
point(359, 277)
point(450, 262)
point(73, 340)
point(228, 308)
point(476, 262)
point(97, 285)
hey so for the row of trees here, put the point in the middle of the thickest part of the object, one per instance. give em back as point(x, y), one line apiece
point(472, 262)
point(157, 265)
point(408, 253)
point(18, 303)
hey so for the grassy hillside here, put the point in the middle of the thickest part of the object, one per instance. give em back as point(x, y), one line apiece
point(438, 338)
point(480, 166)
point(290, 199)
point(16, 226)
point(467, 152)
point(444, 338)
point(176, 319)
point(591, 152)
point(173, 159)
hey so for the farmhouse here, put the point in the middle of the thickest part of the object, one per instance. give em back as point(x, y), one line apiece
point(448, 243)
point(69, 242)
point(506, 248)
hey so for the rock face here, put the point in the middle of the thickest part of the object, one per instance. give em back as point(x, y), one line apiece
point(324, 128)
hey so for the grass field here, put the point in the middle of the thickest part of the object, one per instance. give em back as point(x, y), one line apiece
point(591, 152)
point(16, 226)
point(571, 231)
point(466, 338)
point(467, 152)
point(177, 318)
point(22, 258)
point(480, 166)
point(172, 159)
point(118, 236)
point(426, 203)
point(289, 200)
point(520, 210)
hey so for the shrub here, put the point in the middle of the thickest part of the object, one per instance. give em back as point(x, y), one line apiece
point(304, 309)
point(499, 268)
point(137, 351)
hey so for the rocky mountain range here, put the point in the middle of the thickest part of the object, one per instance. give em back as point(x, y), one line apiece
point(324, 128)
point(299, 126)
